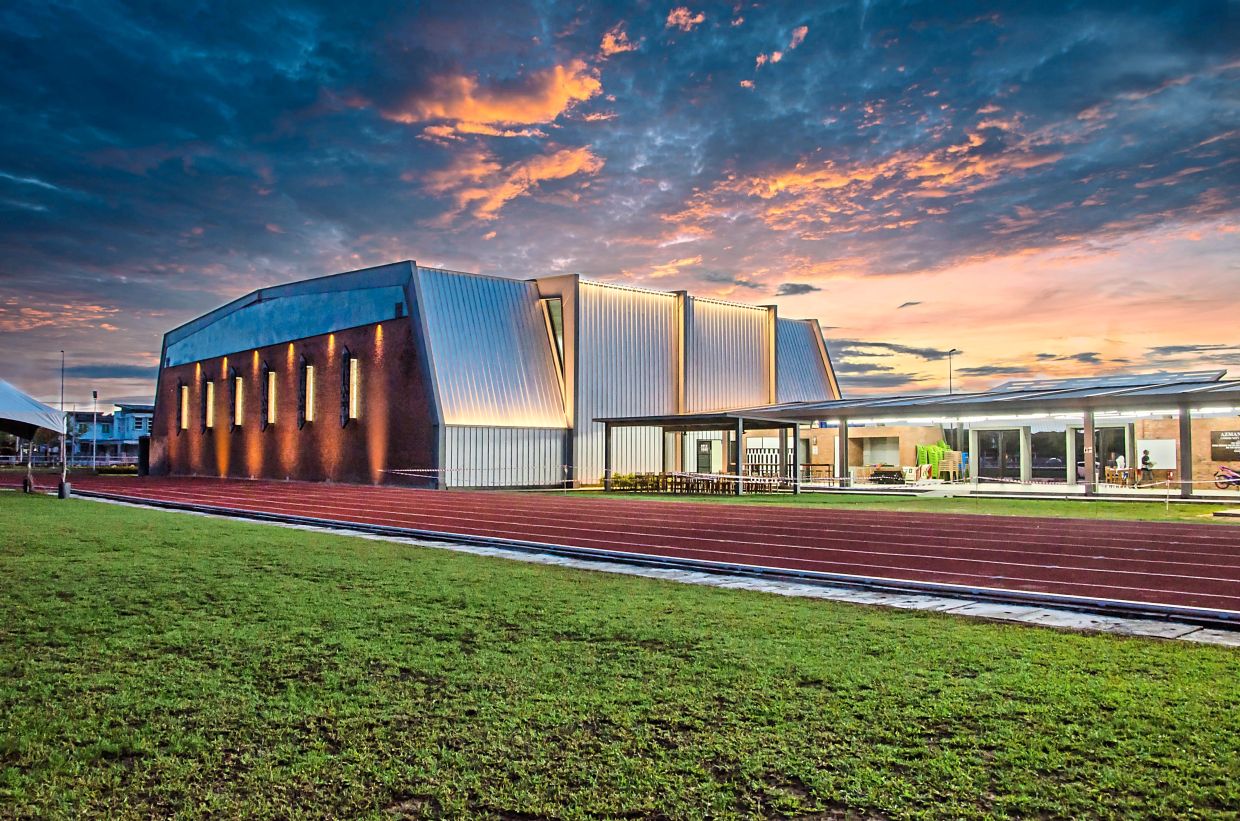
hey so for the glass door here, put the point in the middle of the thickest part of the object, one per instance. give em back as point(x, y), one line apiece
point(1109, 445)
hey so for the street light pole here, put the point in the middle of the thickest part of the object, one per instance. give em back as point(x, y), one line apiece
point(949, 369)
point(64, 457)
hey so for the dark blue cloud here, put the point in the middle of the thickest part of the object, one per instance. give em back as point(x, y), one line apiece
point(160, 159)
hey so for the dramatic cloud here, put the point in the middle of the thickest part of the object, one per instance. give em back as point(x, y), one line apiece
point(1042, 187)
point(479, 184)
point(994, 370)
point(683, 19)
point(615, 41)
point(466, 107)
point(109, 372)
point(796, 289)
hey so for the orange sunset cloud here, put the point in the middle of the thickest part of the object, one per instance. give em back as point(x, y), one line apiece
point(470, 108)
point(479, 184)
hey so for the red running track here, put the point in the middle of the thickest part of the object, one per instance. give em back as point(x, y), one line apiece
point(1155, 566)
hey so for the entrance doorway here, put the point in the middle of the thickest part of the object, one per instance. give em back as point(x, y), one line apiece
point(706, 449)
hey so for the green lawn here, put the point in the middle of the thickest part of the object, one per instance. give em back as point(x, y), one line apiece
point(154, 663)
point(1143, 511)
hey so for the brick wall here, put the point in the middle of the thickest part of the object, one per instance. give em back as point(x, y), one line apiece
point(394, 430)
point(1203, 465)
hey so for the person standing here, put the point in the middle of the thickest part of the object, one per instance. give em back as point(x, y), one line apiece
point(1147, 467)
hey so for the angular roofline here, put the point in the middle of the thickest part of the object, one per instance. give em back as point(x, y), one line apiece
point(390, 274)
point(344, 281)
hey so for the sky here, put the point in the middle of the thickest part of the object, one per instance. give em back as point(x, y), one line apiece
point(1049, 188)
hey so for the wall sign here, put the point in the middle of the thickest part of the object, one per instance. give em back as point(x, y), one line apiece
point(1225, 445)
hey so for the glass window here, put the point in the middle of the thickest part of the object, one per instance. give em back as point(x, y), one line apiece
point(208, 404)
point(554, 309)
point(267, 409)
point(238, 399)
point(305, 405)
point(350, 396)
point(355, 393)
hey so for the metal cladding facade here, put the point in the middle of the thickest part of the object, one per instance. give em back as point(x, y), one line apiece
point(489, 350)
point(461, 380)
point(495, 375)
point(804, 371)
point(627, 363)
point(730, 355)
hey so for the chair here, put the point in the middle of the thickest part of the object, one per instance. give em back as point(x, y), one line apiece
point(950, 464)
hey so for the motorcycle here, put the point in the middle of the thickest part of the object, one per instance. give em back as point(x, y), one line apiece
point(1226, 477)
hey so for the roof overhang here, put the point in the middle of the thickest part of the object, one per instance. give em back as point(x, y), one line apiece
point(712, 421)
point(1168, 397)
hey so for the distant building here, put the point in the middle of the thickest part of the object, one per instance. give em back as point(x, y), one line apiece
point(415, 375)
point(109, 436)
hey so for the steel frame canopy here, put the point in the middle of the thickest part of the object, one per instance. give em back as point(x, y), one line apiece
point(1180, 392)
point(1152, 392)
point(723, 421)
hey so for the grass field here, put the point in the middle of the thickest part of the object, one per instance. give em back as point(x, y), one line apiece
point(155, 663)
point(1142, 511)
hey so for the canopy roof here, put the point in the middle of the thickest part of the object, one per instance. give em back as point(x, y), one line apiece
point(1143, 392)
point(717, 420)
point(22, 415)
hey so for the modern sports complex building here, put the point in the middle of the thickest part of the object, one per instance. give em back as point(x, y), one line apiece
point(414, 375)
point(405, 374)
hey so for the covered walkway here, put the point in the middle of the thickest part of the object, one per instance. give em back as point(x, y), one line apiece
point(1079, 409)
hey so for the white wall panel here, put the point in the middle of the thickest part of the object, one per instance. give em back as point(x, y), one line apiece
point(480, 456)
point(729, 358)
point(627, 360)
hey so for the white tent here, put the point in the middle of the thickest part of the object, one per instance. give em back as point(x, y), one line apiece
point(22, 415)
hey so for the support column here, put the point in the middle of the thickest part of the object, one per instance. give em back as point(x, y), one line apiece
point(1130, 451)
point(975, 455)
point(841, 462)
point(1185, 473)
point(606, 456)
point(740, 457)
point(783, 454)
point(1026, 454)
point(1069, 454)
point(1091, 463)
point(796, 459)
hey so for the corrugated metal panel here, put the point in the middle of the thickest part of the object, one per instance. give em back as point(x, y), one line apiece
point(729, 356)
point(490, 351)
point(801, 375)
point(481, 456)
point(627, 359)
